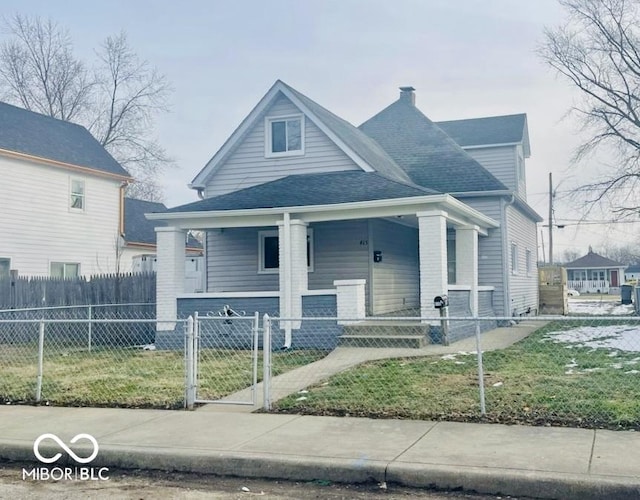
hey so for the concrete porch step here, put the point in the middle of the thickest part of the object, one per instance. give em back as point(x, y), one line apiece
point(385, 334)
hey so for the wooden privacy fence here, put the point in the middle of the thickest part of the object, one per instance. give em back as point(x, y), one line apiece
point(28, 292)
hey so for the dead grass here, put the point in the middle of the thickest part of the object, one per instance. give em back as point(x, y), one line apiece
point(526, 383)
point(129, 377)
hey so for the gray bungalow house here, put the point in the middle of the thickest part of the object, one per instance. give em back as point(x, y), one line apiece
point(594, 273)
point(306, 214)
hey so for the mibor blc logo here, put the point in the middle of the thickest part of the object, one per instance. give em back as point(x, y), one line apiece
point(65, 473)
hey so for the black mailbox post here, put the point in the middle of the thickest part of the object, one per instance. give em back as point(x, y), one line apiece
point(441, 302)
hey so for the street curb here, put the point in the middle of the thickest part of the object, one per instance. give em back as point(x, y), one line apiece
point(486, 480)
point(536, 484)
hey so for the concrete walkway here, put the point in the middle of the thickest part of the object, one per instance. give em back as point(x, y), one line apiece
point(343, 358)
point(494, 459)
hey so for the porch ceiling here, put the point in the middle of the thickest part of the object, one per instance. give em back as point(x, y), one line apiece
point(457, 213)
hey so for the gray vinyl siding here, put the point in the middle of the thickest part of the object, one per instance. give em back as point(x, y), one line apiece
point(523, 286)
point(491, 266)
point(247, 166)
point(340, 252)
point(396, 280)
point(501, 161)
point(232, 261)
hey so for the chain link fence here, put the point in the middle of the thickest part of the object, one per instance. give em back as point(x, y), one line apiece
point(581, 371)
point(87, 356)
point(577, 370)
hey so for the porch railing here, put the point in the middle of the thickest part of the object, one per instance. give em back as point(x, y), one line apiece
point(589, 286)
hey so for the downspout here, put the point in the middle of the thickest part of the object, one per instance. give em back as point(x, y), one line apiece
point(505, 256)
point(123, 186)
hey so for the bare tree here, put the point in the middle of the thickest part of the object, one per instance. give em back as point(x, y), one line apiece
point(117, 99)
point(598, 51)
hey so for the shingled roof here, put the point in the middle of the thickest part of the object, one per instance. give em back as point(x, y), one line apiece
point(33, 134)
point(592, 259)
point(423, 150)
point(138, 229)
point(490, 130)
point(369, 150)
point(310, 189)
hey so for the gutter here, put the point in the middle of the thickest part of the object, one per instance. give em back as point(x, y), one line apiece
point(516, 200)
point(69, 166)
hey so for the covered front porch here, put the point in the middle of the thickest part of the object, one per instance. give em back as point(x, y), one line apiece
point(350, 261)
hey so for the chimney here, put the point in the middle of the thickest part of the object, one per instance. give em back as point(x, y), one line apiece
point(408, 94)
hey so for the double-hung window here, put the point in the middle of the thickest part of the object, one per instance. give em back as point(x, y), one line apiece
point(514, 258)
point(269, 252)
point(77, 195)
point(284, 136)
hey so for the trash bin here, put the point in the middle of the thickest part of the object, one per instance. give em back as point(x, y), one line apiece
point(626, 291)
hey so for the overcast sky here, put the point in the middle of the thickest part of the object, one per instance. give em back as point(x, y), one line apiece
point(466, 58)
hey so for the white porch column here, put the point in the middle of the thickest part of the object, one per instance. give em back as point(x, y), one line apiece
point(294, 278)
point(169, 274)
point(467, 262)
point(432, 241)
point(350, 299)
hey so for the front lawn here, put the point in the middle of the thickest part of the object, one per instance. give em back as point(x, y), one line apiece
point(583, 378)
point(120, 377)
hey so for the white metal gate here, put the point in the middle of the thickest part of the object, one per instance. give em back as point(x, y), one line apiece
point(221, 359)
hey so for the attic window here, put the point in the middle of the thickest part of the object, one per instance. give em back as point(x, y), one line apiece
point(284, 136)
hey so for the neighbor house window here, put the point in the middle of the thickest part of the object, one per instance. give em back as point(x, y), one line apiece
point(77, 201)
point(269, 252)
point(514, 258)
point(284, 136)
point(5, 266)
point(65, 270)
point(529, 263)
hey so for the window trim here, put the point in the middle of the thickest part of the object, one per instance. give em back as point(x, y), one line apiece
point(529, 261)
point(268, 152)
point(8, 260)
point(64, 269)
point(270, 234)
point(514, 258)
point(82, 195)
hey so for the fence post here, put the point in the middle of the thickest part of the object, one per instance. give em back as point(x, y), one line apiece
point(266, 362)
point(483, 409)
point(256, 328)
point(90, 327)
point(40, 361)
point(189, 396)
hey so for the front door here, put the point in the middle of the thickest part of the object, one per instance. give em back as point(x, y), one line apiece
point(614, 278)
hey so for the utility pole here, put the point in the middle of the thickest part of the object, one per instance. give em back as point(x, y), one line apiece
point(550, 219)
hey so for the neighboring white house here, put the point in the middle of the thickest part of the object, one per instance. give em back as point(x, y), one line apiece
point(303, 212)
point(61, 197)
point(138, 244)
point(632, 274)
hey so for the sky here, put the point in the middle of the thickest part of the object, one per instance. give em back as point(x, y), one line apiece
point(466, 59)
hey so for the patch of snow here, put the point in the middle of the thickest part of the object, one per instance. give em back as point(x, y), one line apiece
point(449, 356)
point(620, 337)
point(497, 384)
point(633, 371)
point(585, 307)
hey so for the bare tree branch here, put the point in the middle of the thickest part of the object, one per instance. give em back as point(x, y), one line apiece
point(116, 101)
point(598, 51)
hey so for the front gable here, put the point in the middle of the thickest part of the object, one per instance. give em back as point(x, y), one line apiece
point(251, 160)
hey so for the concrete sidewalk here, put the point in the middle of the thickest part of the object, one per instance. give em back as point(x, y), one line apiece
point(512, 460)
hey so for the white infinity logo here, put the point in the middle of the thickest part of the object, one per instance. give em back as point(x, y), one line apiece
point(56, 457)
